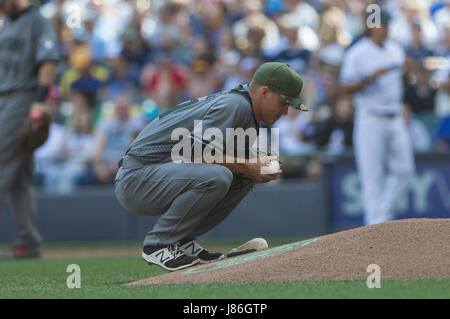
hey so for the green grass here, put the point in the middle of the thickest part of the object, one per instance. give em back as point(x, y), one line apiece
point(102, 277)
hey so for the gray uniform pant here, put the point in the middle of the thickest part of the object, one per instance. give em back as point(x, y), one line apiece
point(16, 167)
point(191, 198)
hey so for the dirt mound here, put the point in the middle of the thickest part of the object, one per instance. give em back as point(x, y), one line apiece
point(404, 249)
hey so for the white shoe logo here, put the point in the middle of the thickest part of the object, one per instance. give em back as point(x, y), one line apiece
point(160, 255)
point(193, 250)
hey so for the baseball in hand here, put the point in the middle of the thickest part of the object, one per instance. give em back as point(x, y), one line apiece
point(271, 167)
point(275, 165)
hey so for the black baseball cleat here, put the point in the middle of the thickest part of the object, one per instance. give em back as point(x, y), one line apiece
point(191, 248)
point(168, 257)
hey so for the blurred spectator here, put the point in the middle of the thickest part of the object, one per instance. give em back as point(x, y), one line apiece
point(203, 52)
point(228, 56)
point(164, 82)
point(340, 26)
point(121, 79)
point(214, 21)
point(442, 136)
point(204, 77)
point(325, 91)
point(420, 138)
point(135, 50)
point(442, 17)
point(290, 127)
point(272, 8)
point(402, 23)
point(442, 78)
point(49, 153)
point(419, 95)
point(305, 13)
point(443, 47)
point(77, 148)
point(336, 133)
point(84, 75)
point(244, 73)
point(202, 82)
point(255, 33)
point(294, 149)
point(163, 52)
point(161, 31)
point(113, 18)
point(314, 168)
point(293, 54)
point(417, 50)
point(112, 138)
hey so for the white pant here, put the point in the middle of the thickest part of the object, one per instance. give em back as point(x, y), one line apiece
point(385, 163)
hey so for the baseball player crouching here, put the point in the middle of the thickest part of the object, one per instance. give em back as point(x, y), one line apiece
point(193, 197)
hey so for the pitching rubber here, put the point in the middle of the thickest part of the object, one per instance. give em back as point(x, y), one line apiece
point(251, 246)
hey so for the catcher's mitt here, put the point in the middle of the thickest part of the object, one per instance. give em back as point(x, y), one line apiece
point(35, 131)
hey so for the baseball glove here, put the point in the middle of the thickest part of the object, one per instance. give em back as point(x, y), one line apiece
point(35, 131)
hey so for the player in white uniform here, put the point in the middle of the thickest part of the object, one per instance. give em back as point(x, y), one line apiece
point(372, 71)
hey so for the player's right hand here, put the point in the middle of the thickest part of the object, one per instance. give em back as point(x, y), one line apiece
point(39, 116)
point(377, 74)
point(254, 170)
point(35, 129)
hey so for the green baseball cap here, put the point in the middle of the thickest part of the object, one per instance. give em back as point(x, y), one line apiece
point(283, 79)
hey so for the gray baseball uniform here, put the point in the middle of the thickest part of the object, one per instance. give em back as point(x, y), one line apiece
point(25, 42)
point(192, 198)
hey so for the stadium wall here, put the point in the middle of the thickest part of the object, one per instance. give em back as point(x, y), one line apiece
point(287, 209)
point(271, 210)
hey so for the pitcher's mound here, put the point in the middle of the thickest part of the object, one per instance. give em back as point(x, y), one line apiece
point(403, 249)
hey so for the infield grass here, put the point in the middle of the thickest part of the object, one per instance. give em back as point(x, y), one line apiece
point(102, 277)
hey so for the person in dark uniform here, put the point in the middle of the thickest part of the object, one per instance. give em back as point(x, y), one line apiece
point(28, 60)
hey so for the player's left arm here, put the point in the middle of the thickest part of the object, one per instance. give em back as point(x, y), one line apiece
point(46, 57)
point(46, 78)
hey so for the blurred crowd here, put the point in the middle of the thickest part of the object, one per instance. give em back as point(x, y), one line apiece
point(124, 62)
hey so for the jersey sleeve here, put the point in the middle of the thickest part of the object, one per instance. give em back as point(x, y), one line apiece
point(47, 44)
point(349, 70)
point(401, 56)
point(226, 113)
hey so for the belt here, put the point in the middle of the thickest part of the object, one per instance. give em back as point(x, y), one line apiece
point(130, 162)
point(385, 115)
